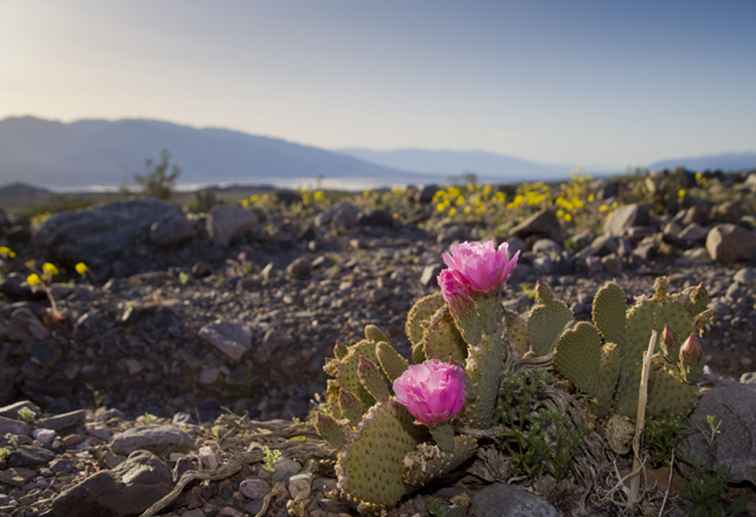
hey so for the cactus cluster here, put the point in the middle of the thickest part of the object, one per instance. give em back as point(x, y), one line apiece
point(383, 454)
point(538, 333)
point(604, 358)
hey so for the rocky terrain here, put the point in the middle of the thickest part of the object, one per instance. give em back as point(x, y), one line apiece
point(187, 360)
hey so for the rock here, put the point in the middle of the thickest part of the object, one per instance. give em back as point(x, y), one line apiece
point(128, 489)
point(16, 477)
point(284, 468)
point(24, 327)
point(300, 268)
point(698, 213)
point(4, 221)
point(748, 378)
point(729, 212)
point(254, 488)
point(13, 426)
point(159, 439)
point(547, 247)
point(426, 193)
point(693, 233)
point(377, 217)
point(504, 500)
point(541, 224)
point(64, 420)
point(29, 456)
point(233, 339)
point(626, 217)
point(745, 276)
point(44, 436)
point(601, 245)
point(300, 486)
point(430, 273)
point(171, 230)
point(102, 234)
point(207, 458)
point(341, 214)
point(228, 222)
point(733, 405)
point(697, 255)
point(727, 243)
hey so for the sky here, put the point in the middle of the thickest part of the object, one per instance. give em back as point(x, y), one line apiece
point(582, 82)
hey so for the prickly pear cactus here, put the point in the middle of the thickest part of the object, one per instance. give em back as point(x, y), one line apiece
point(610, 372)
point(538, 333)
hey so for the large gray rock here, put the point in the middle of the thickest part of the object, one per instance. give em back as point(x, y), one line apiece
point(228, 222)
point(503, 500)
point(233, 339)
point(160, 439)
point(733, 405)
point(129, 489)
point(727, 243)
point(101, 234)
point(172, 230)
point(342, 214)
point(541, 224)
point(624, 218)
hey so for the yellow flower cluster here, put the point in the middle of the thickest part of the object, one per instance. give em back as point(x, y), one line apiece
point(531, 194)
point(49, 272)
point(264, 199)
point(467, 201)
point(313, 197)
point(40, 219)
point(6, 252)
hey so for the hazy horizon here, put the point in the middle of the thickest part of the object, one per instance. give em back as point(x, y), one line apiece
point(589, 83)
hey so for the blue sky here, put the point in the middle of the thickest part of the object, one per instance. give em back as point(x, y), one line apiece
point(584, 82)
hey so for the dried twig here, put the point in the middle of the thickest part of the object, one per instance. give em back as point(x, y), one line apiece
point(640, 421)
point(669, 483)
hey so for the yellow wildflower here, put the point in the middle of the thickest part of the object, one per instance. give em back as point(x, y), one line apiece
point(603, 207)
point(33, 280)
point(681, 194)
point(319, 196)
point(567, 217)
point(452, 212)
point(49, 270)
point(81, 268)
point(6, 252)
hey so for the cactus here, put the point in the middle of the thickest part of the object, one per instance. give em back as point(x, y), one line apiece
point(538, 333)
point(611, 372)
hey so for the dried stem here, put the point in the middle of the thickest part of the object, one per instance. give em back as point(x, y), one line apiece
point(640, 420)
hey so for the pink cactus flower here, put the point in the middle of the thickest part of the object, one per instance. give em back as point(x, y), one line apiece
point(433, 391)
point(480, 266)
point(454, 290)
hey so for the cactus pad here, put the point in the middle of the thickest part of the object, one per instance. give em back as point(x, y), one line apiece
point(428, 461)
point(578, 357)
point(517, 332)
point(372, 379)
point(391, 361)
point(419, 315)
point(441, 339)
point(330, 430)
point(608, 312)
point(545, 324)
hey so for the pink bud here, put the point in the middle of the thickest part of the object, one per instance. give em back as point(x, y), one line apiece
point(433, 391)
point(667, 340)
point(691, 351)
point(455, 292)
point(480, 266)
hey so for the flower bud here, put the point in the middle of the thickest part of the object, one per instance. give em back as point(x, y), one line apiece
point(667, 340)
point(691, 351)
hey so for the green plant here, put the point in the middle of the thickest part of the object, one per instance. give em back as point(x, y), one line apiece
point(706, 493)
point(603, 358)
point(161, 177)
point(661, 436)
point(27, 415)
point(270, 457)
point(4, 453)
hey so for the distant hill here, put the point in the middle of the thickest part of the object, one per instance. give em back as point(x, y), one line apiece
point(488, 166)
point(723, 161)
point(109, 153)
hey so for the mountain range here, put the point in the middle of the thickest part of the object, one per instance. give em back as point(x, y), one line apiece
point(96, 152)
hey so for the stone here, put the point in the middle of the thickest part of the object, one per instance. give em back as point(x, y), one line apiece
point(13, 426)
point(44, 436)
point(128, 489)
point(254, 488)
point(601, 245)
point(430, 273)
point(625, 217)
point(225, 223)
point(426, 193)
point(748, 378)
point(504, 500)
point(207, 458)
point(543, 223)
point(341, 214)
point(698, 213)
point(745, 276)
point(172, 230)
point(24, 326)
point(693, 233)
point(547, 247)
point(159, 439)
point(233, 339)
point(64, 420)
point(733, 406)
point(29, 456)
point(729, 212)
point(101, 234)
point(728, 243)
point(299, 268)
point(300, 486)
point(284, 468)
point(376, 217)
point(16, 477)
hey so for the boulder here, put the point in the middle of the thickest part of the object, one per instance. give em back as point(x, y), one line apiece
point(543, 223)
point(128, 489)
point(377, 217)
point(504, 500)
point(727, 243)
point(228, 222)
point(426, 193)
point(625, 217)
point(342, 214)
point(172, 230)
point(101, 234)
point(733, 406)
point(158, 438)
